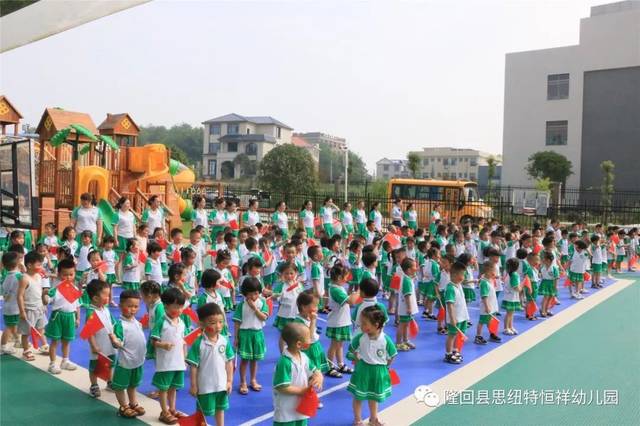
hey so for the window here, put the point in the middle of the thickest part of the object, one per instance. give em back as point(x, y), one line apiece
point(211, 167)
point(232, 147)
point(425, 161)
point(278, 132)
point(416, 192)
point(233, 129)
point(439, 174)
point(385, 167)
point(445, 162)
point(466, 159)
point(472, 176)
point(439, 159)
point(445, 175)
point(465, 175)
point(214, 148)
point(214, 129)
point(474, 162)
point(557, 86)
point(396, 167)
point(251, 149)
point(556, 132)
point(248, 131)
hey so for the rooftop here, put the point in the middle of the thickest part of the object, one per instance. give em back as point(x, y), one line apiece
point(256, 137)
point(237, 118)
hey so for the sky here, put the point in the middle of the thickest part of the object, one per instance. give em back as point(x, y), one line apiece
point(389, 76)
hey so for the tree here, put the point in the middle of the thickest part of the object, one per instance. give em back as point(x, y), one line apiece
point(413, 164)
point(550, 165)
point(607, 188)
point(179, 155)
point(288, 168)
point(331, 165)
point(183, 136)
point(491, 173)
point(248, 167)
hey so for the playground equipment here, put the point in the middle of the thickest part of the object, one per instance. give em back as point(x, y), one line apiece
point(76, 157)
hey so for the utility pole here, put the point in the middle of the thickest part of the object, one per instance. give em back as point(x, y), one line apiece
point(346, 172)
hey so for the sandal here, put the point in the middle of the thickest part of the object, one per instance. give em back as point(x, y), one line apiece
point(167, 418)
point(140, 411)
point(178, 414)
point(256, 387)
point(344, 369)
point(334, 373)
point(244, 390)
point(127, 412)
point(28, 356)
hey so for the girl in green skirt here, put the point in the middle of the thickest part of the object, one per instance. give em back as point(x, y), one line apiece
point(548, 289)
point(373, 352)
point(306, 218)
point(291, 288)
point(346, 219)
point(511, 300)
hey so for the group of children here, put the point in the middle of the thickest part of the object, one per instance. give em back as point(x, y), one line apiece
point(344, 275)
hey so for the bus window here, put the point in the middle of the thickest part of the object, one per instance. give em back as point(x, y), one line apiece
point(471, 194)
point(435, 193)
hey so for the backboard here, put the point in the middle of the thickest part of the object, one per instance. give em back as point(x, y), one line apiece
point(530, 202)
point(18, 193)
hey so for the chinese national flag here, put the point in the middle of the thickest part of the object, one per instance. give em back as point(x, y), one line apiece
point(293, 286)
point(395, 378)
point(460, 339)
point(69, 291)
point(145, 320)
point(212, 253)
point(163, 243)
point(526, 283)
point(235, 271)
point(494, 324)
point(142, 257)
point(309, 402)
point(103, 368)
point(191, 337)
point(226, 284)
point(233, 224)
point(552, 302)
point(393, 240)
point(537, 248)
point(102, 266)
point(395, 282)
point(311, 242)
point(91, 327)
point(587, 276)
point(53, 250)
point(266, 255)
point(413, 328)
point(442, 313)
point(349, 276)
point(35, 338)
point(176, 257)
point(270, 305)
point(196, 419)
point(191, 314)
point(531, 308)
point(42, 272)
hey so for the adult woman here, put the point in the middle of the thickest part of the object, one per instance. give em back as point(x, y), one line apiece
point(376, 216)
point(306, 218)
point(218, 218)
point(360, 217)
point(232, 217)
point(346, 219)
point(125, 227)
point(326, 212)
point(87, 217)
point(435, 215)
point(199, 213)
point(154, 215)
point(411, 216)
point(279, 218)
point(396, 213)
point(251, 216)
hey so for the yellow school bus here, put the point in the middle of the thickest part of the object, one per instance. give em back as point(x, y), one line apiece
point(458, 199)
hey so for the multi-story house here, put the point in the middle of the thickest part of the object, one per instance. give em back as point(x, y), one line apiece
point(334, 142)
point(387, 169)
point(228, 136)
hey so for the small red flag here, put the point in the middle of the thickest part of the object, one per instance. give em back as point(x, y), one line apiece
point(567, 283)
point(442, 313)
point(413, 328)
point(212, 253)
point(69, 291)
point(311, 242)
point(176, 257)
point(537, 248)
point(393, 240)
point(233, 224)
point(191, 337)
point(349, 276)
point(103, 368)
point(526, 283)
point(145, 320)
point(191, 314)
point(142, 257)
point(53, 249)
point(42, 272)
point(162, 243)
point(270, 305)
point(359, 300)
point(227, 284)
point(552, 302)
point(102, 266)
point(266, 254)
point(494, 324)
point(196, 419)
point(317, 222)
point(235, 271)
point(293, 286)
point(587, 276)
point(460, 339)
point(395, 282)
point(632, 261)
point(91, 327)
point(531, 308)
point(395, 378)
point(35, 337)
point(309, 402)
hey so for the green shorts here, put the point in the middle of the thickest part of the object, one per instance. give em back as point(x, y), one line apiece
point(94, 362)
point(128, 285)
point(122, 244)
point(597, 267)
point(164, 380)
point(405, 318)
point(126, 378)
point(452, 331)
point(328, 229)
point(111, 279)
point(620, 258)
point(292, 423)
point(484, 319)
point(209, 403)
point(61, 326)
point(11, 320)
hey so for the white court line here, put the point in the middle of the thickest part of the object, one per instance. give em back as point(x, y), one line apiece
point(268, 415)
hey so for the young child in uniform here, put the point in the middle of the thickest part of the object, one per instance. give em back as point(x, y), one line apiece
point(52, 241)
point(250, 316)
point(355, 264)
point(457, 312)
point(577, 268)
point(511, 301)
point(368, 291)
point(69, 240)
point(86, 246)
point(407, 304)
point(131, 345)
point(308, 316)
point(173, 249)
point(548, 289)
point(227, 289)
point(293, 377)
point(211, 362)
point(488, 304)
point(131, 266)
point(373, 352)
point(10, 309)
point(430, 280)
point(30, 302)
point(153, 266)
point(110, 256)
point(291, 288)
point(446, 262)
point(316, 275)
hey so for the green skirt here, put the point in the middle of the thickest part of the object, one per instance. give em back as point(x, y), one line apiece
point(128, 285)
point(310, 232)
point(356, 276)
point(346, 230)
point(328, 229)
point(533, 294)
point(370, 382)
point(341, 334)
point(362, 228)
point(280, 322)
point(251, 344)
point(548, 288)
point(429, 290)
point(412, 225)
point(575, 277)
point(511, 306)
point(597, 267)
point(122, 244)
point(386, 282)
point(317, 356)
point(469, 294)
point(228, 303)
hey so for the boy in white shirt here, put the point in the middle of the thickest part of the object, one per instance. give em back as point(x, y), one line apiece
point(457, 312)
point(153, 267)
point(30, 302)
point(10, 310)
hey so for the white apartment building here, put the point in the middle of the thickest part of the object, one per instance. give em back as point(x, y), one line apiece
point(335, 143)
point(456, 163)
point(388, 169)
point(582, 101)
point(230, 135)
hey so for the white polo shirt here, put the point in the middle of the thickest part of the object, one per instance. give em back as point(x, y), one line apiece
point(102, 336)
point(340, 315)
point(460, 305)
point(153, 269)
point(377, 351)
point(167, 331)
point(211, 359)
point(135, 346)
point(247, 317)
point(86, 219)
point(290, 372)
point(126, 224)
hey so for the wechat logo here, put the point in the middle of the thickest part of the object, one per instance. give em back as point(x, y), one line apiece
point(423, 393)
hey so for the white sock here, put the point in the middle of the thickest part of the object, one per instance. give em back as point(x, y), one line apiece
point(65, 360)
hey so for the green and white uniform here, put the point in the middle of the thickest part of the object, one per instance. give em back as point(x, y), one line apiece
point(62, 321)
point(488, 292)
point(131, 272)
point(346, 219)
point(339, 319)
point(511, 298)
point(366, 302)
point(281, 220)
point(315, 351)
point(251, 345)
point(307, 218)
point(549, 280)
point(370, 380)
point(290, 372)
point(103, 342)
point(129, 361)
point(169, 364)
point(326, 213)
point(208, 297)
point(406, 309)
point(454, 295)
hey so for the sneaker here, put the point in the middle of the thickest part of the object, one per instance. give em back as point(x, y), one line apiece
point(458, 355)
point(43, 350)
point(53, 369)
point(584, 291)
point(402, 347)
point(320, 405)
point(425, 314)
point(68, 365)
point(410, 344)
point(433, 317)
point(479, 340)
point(7, 350)
point(495, 338)
point(514, 331)
point(94, 391)
point(449, 358)
point(508, 332)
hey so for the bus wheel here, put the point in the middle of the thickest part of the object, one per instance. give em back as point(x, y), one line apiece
point(466, 218)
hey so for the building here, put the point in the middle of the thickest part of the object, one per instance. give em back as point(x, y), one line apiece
point(9, 116)
point(335, 143)
point(457, 163)
point(228, 136)
point(581, 101)
point(387, 169)
point(313, 149)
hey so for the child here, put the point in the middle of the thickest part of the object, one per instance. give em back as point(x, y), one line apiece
point(86, 239)
point(445, 262)
point(488, 304)
point(457, 312)
point(130, 266)
point(621, 247)
point(150, 291)
point(373, 352)
point(407, 304)
point(131, 353)
point(355, 263)
point(103, 341)
point(51, 240)
point(109, 255)
point(47, 268)
point(10, 309)
point(173, 249)
point(291, 288)
point(577, 268)
point(511, 300)
point(548, 289)
point(339, 321)
point(153, 267)
point(211, 360)
point(192, 276)
point(430, 280)
point(308, 316)
point(531, 271)
point(64, 319)
point(468, 284)
point(210, 294)
point(368, 292)
point(317, 273)
point(167, 340)
point(30, 302)
point(178, 280)
point(294, 376)
point(250, 316)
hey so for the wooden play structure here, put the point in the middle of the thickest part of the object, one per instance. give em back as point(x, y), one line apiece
point(9, 116)
point(76, 157)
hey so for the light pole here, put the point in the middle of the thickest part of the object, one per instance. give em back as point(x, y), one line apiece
point(346, 172)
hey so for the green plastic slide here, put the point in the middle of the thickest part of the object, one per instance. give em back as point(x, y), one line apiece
point(109, 216)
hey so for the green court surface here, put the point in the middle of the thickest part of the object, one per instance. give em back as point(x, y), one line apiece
point(29, 396)
point(598, 351)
